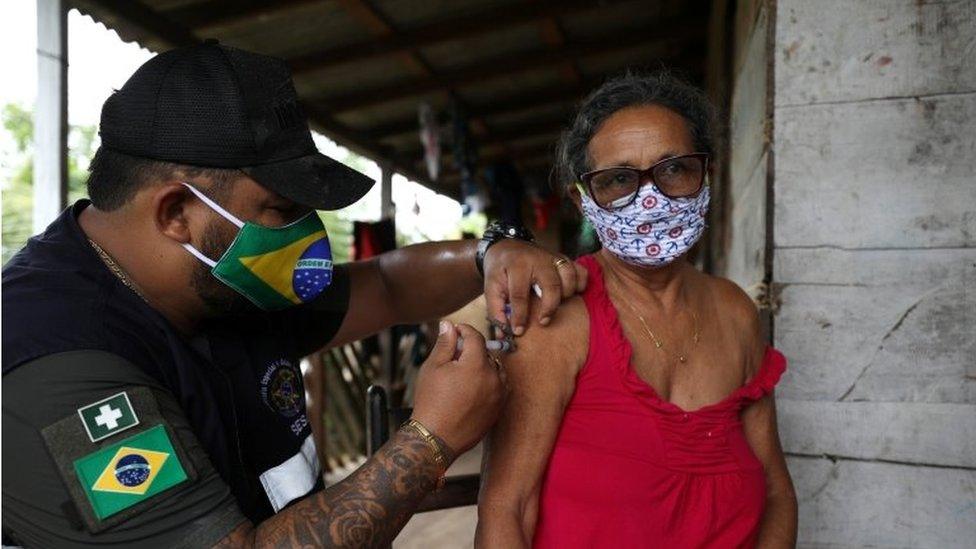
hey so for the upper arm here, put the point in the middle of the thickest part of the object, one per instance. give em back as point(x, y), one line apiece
point(369, 309)
point(541, 376)
point(759, 426)
point(759, 418)
point(54, 490)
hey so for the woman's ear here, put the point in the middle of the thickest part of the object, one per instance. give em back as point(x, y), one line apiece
point(171, 208)
point(573, 191)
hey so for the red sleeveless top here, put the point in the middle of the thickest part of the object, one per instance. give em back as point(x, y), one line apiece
point(630, 469)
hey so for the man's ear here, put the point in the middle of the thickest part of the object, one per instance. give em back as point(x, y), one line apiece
point(172, 206)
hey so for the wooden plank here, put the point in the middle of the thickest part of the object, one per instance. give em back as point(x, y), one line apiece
point(749, 112)
point(908, 269)
point(745, 255)
point(835, 50)
point(868, 504)
point(930, 434)
point(854, 328)
point(220, 13)
point(836, 184)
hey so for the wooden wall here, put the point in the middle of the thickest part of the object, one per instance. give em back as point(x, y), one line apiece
point(874, 267)
point(748, 134)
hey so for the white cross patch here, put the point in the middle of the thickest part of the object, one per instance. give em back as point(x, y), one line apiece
point(108, 416)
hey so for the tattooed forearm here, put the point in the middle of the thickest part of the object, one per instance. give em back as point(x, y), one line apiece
point(367, 509)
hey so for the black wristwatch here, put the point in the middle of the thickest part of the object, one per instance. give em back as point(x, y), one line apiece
point(496, 232)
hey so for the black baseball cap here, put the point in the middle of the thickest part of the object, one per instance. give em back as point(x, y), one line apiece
point(215, 106)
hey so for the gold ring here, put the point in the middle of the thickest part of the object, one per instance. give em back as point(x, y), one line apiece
point(560, 262)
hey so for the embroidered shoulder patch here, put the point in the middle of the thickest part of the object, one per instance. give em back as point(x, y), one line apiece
point(113, 479)
point(129, 471)
point(108, 417)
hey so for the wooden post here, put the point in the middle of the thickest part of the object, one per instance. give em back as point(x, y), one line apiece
point(387, 207)
point(51, 113)
point(387, 341)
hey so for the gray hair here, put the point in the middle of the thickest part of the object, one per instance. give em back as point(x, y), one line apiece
point(629, 90)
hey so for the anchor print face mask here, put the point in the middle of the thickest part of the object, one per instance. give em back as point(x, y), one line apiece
point(653, 230)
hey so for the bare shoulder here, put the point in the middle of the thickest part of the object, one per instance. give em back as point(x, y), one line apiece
point(735, 306)
point(554, 352)
point(732, 300)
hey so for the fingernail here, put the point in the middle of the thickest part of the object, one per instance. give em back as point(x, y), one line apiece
point(519, 330)
point(445, 326)
point(537, 290)
point(545, 321)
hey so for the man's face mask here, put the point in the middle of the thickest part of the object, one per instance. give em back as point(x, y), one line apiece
point(273, 267)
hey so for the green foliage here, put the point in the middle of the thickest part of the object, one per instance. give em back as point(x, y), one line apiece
point(340, 234)
point(17, 186)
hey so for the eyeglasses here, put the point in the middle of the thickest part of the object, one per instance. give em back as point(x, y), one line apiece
point(676, 177)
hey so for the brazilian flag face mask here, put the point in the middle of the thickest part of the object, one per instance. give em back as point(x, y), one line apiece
point(274, 267)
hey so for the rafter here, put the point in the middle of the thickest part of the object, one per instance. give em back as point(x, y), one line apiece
point(485, 21)
point(152, 22)
point(552, 34)
point(507, 141)
point(504, 105)
point(507, 64)
point(380, 26)
point(207, 15)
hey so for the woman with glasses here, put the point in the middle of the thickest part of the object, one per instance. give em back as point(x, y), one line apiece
point(643, 415)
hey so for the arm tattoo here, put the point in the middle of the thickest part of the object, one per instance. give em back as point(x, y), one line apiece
point(367, 509)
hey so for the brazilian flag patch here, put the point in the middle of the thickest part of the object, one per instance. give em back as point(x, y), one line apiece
point(130, 471)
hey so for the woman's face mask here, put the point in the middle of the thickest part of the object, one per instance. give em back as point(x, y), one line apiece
point(274, 267)
point(653, 230)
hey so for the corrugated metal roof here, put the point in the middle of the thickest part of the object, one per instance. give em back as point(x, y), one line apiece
point(363, 66)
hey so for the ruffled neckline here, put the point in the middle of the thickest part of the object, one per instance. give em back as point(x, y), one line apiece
point(620, 353)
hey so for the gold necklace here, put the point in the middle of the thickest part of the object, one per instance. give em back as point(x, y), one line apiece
point(682, 358)
point(116, 269)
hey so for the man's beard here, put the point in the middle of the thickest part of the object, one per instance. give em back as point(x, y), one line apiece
point(220, 299)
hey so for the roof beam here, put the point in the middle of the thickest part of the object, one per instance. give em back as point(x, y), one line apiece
point(381, 27)
point(489, 20)
point(507, 64)
point(552, 34)
point(505, 105)
point(506, 140)
point(208, 15)
point(149, 20)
